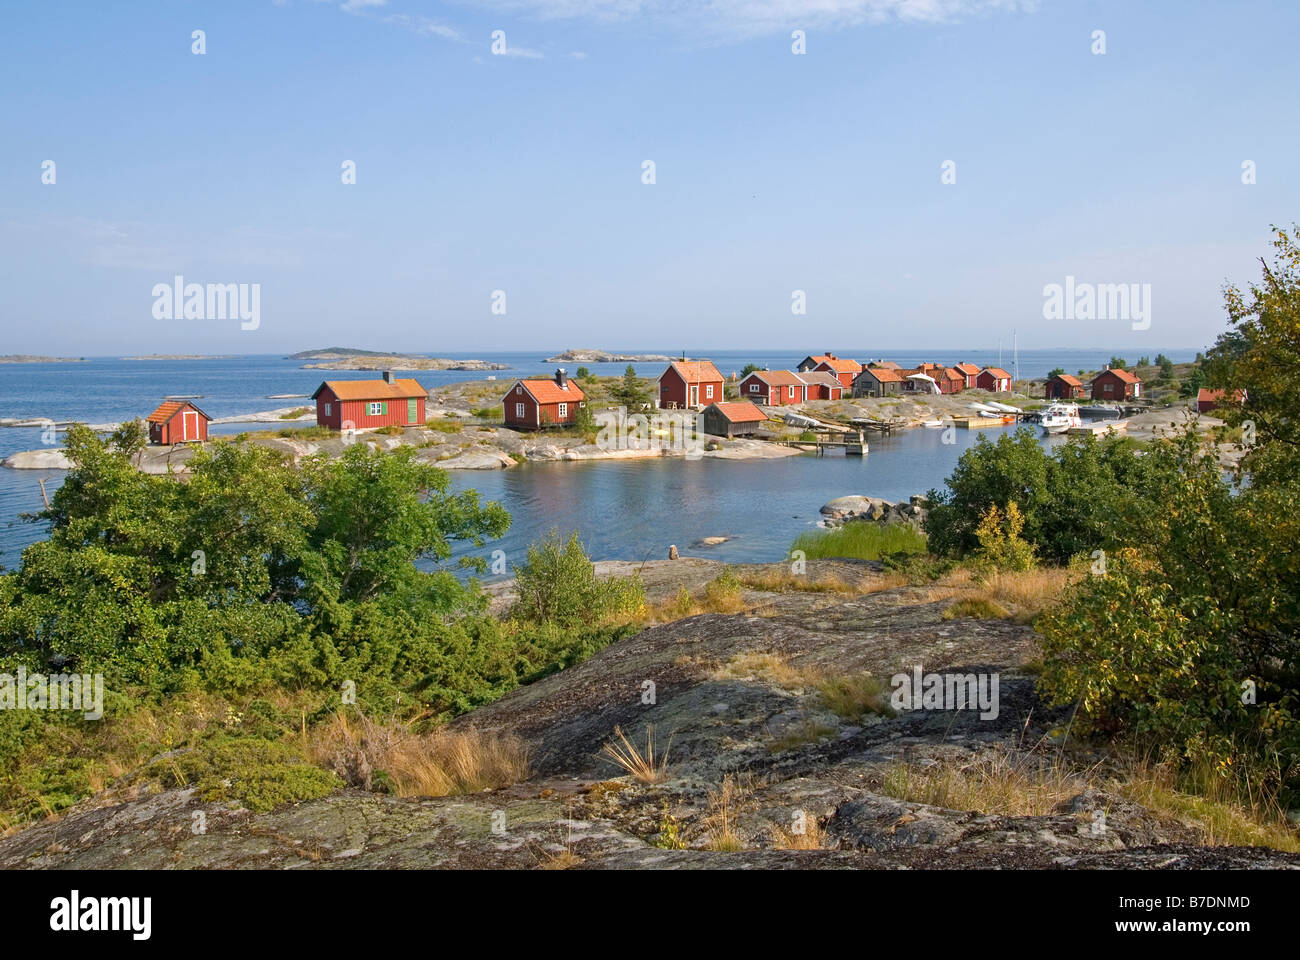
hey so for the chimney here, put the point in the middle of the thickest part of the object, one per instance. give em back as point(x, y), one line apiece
point(560, 378)
point(388, 376)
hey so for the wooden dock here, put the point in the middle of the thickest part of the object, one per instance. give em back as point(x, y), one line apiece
point(853, 446)
point(974, 423)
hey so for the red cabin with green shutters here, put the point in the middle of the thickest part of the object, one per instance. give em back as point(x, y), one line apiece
point(367, 404)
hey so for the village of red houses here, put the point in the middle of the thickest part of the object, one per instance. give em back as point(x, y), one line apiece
point(536, 403)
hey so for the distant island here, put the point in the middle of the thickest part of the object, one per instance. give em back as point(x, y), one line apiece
point(348, 358)
point(601, 356)
point(343, 353)
point(175, 356)
point(28, 358)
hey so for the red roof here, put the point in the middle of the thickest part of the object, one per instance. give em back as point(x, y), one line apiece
point(778, 378)
point(822, 377)
point(1122, 374)
point(740, 411)
point(952, 373)
point(548, 391)
point(997, 372)
point(1206, 395)
point(373, 389)
point(967, 368)
point(838, 364)
point(169, 409)
point(1066, 378)
point(884, 374)
point(694, 371)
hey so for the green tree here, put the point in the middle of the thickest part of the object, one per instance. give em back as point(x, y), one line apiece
point(1118, 363)
point(1055, 372)
point(628, 392)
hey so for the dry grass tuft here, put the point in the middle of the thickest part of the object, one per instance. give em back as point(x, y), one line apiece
point(1210, 805)
point(1008, 783)
point(855, 695)
point(720, 823)
point(770, 668)
point(1020, 595)
point(368, 754)
point(976, 608)
point(642, 766)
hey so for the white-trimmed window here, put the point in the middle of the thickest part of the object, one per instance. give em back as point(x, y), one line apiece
point(708, 392)
point(327, 409)
point(519, 390)
point(563, 411)
point(756, 387)
point(376, 408)
point(519, 411)
point(791, 392)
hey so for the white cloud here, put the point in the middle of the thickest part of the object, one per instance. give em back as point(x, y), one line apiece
point(351, 6)
point(754, 17)
point(423, 26)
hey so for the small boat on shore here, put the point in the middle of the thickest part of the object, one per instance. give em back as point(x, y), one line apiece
point(1061, 417)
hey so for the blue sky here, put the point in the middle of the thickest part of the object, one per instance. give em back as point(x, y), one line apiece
point(774, 172)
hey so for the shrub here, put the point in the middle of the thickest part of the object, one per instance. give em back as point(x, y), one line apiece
point(558, 583)
point(1001, 545)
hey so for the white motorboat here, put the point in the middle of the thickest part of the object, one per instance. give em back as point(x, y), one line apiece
point(932, 423)
point(1060, 417)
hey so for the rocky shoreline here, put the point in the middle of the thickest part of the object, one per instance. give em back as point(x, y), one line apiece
point(809, 783)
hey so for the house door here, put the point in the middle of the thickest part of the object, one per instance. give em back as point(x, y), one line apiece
point(695, 396)
point(412, 410)
point(189, 426)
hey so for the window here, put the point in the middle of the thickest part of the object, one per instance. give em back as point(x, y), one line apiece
point(755, 388)
point(376, 408)
point(327, 409)
point(1108, 388)
point(790, 393)
point(519, 410)
point(564, 410)
point(519, 390)
point(708, 392)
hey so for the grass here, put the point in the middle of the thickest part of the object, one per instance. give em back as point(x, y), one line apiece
point(295, 413)
point(642, 766)
point(1210, 805)
point(444, 425)
point(976, 608)
point(855, 695)
point(1021, 596)
point(720, 823)
point(492, 414)
point(1007, 783)
point(316, 432)
point(860, 540)
point(769, 668)
point(391, 758)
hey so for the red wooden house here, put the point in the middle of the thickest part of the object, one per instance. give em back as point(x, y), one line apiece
point(820, 385)
point(366, 404)
point(689, 383)
point(842, 370)
point(534, 404)
point(177, 422)
point(995, 379)
point(1063, 387)
point(969, 371)
point(773, 387)
point(1116, 384)
point(951, 380)
point(1207, 399)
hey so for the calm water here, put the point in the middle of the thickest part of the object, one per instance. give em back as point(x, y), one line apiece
point(625, 510)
